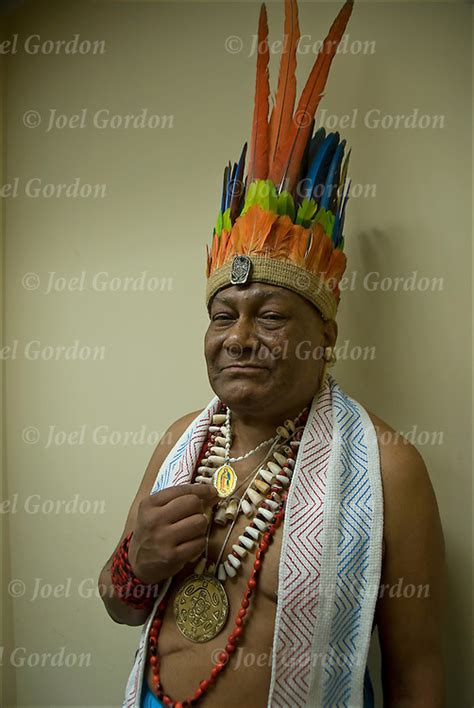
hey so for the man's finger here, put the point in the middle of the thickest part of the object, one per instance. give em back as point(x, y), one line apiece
point(181, 507)
point(206, 492)
point(190, 551)
point(192, 527)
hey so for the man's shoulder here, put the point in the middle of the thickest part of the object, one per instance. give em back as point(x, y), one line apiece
point(405, 479)
point(177, 428)
point(171, 437)
point(165, 445)
point(397, 454)
point(406, 484)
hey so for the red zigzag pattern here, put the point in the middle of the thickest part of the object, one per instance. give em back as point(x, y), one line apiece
point(301, 580)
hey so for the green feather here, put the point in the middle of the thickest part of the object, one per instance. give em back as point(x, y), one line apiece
point(223, 222)
point(286, 204)
point(267, 196)
point(306, 212)
point(263, 193)
point(218, 228)
point(326, 219)
point(250, 197)
point(226, 222)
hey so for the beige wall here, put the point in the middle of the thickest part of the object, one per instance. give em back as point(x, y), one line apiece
point(3, 546)
point(162, 193)
point(7, 685)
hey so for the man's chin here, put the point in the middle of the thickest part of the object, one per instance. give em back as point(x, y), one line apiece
point(240, 393)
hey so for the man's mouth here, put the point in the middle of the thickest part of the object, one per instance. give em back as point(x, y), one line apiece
point(244, 368)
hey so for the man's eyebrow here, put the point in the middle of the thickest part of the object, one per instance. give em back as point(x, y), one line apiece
point(260, 294)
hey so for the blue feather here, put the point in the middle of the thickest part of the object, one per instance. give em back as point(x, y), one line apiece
point(332, 176)
point(224, 189)
point(319, 166)
point(237, 186)
point(316, 142)
point(230, 185)
point(340, 215)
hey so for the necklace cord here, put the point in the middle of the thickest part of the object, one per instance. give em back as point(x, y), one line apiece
point(255, 472)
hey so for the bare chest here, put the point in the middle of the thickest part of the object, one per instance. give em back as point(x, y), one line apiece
point(221, 541)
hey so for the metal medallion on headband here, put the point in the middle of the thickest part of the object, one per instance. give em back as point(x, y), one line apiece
point(240, 270)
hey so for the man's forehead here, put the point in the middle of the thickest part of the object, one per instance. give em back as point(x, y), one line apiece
point(257, 291)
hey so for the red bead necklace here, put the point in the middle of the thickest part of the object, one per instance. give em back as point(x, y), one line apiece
point(232, 639)
point(224, 657)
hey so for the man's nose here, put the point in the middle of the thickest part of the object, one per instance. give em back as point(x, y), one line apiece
point(242, 333)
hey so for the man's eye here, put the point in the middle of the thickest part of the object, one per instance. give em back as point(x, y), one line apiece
point(272, 316)
point(220, 316)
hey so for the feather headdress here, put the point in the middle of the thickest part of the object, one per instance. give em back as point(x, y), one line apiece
point(283, 223)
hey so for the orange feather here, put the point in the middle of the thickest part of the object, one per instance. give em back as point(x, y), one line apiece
point(318, 259)
point(317, 234)
point(298, 245)
point(326, 248)
point(214, 249)
point(286, 165)
point(337, 265)
point(251, 229)
point(276, 243)
point(230, 248)
point(282, 111)
point(258, 154)
point(225, 236)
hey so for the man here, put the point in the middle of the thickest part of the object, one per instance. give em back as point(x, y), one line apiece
point(341, 522)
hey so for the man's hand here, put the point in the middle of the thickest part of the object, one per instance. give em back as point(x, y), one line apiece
point(170, 530)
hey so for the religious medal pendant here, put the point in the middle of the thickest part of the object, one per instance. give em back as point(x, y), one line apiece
point(201, 607)
point(224, 480)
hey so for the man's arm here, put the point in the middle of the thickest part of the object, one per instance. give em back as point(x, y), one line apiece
point(410, 604)
point(117, 609)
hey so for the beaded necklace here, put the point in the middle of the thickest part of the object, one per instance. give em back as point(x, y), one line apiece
point(271, 512)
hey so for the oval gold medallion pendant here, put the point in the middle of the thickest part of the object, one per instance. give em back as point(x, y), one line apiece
point(201, 607)
point(224, 480)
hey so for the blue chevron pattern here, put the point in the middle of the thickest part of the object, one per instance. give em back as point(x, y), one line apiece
point(355, 516)
point(299, 593)
point(179, 465)
point(163, 478)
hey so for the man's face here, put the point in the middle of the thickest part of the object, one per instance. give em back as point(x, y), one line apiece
point(264, 347)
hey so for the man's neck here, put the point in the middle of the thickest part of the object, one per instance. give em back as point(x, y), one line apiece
point(250, 429)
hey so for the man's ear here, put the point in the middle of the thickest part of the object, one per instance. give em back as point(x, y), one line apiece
point(330, 333)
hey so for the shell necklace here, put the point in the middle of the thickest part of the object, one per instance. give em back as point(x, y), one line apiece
point(201, 604)
point(224, 478)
